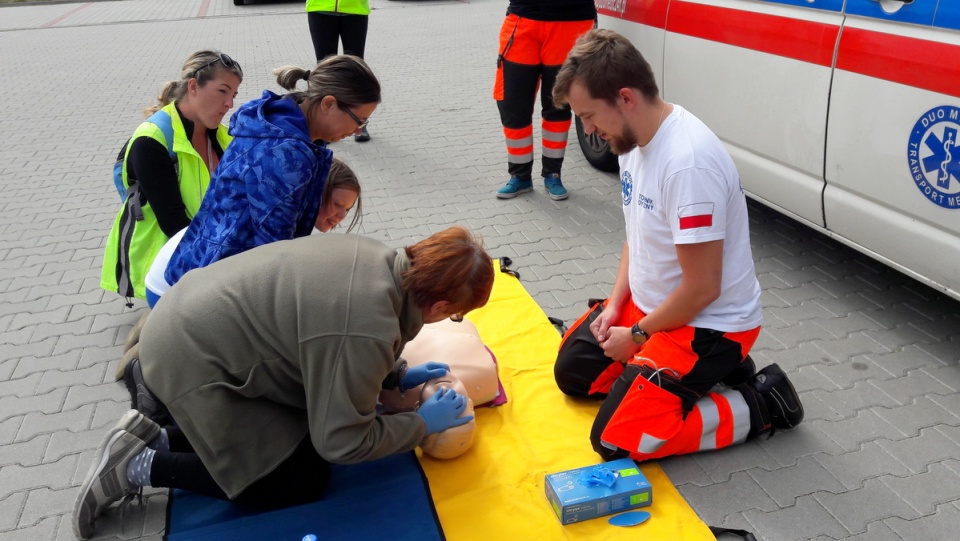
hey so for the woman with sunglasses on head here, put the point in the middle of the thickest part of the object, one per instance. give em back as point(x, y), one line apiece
point(270, 183)
point(165, 181)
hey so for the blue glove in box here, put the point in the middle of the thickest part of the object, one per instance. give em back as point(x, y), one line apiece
point(594, 491)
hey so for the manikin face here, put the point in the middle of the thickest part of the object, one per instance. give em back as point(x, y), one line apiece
point(601, 117)
point(212, 101)
point(335, 208)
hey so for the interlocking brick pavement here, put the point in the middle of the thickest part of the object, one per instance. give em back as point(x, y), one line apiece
point(874, 355)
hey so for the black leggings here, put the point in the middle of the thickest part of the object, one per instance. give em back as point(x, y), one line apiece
point(328, 29)
point(301, 478)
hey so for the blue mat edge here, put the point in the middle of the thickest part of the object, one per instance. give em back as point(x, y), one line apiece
point(425, 485)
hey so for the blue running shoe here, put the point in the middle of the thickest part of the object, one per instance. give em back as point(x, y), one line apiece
point(555, 188)
point(514, 187)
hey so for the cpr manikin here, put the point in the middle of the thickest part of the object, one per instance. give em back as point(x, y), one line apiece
point(473, 374)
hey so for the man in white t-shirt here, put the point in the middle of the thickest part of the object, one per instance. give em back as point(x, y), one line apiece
point(668, 350)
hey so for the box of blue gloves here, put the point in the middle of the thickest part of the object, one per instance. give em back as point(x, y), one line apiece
point(594, 491)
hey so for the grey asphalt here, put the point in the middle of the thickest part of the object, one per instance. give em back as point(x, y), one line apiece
point(873, 353)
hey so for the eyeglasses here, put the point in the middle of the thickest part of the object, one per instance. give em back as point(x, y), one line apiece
point(360, 123)
point(227, 62)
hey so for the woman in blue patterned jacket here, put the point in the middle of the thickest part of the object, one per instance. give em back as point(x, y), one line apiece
point(269, 184)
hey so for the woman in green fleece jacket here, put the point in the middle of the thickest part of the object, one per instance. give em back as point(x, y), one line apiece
point(271, 362)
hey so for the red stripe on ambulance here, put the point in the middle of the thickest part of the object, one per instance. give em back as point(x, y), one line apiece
point(806, 41)
point(866, 52)
point(929, 65)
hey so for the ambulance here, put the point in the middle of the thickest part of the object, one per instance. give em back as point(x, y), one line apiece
point(842, 114)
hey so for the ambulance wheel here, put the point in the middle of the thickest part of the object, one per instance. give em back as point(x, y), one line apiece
point(596, 150)
point(239, 2)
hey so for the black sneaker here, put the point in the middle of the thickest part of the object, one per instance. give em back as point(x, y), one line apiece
point(141, 399)
point(743, 373)
point(781, 398)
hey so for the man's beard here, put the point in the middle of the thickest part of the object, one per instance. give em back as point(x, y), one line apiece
point(625, 142)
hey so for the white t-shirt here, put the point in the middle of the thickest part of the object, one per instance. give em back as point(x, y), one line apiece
point(683, 188)
point(155, 281)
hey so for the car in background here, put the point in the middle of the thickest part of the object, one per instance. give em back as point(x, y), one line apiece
point(842, 114)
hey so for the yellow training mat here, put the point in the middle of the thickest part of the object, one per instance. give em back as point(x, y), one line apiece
point(496, 488)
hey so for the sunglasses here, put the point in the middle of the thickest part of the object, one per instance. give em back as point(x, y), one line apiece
point(360, 123)
point(457, 318)
point(227, 62)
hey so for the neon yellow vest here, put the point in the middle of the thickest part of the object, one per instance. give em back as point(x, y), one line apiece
point(136, 237)
point(352, 7)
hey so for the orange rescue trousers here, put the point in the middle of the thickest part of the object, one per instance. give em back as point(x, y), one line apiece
point(665, 400)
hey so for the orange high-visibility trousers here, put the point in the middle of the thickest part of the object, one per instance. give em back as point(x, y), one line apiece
point(531, 53)
point(661, 402)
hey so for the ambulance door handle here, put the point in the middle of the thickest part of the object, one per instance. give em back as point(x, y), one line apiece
point(901, 1)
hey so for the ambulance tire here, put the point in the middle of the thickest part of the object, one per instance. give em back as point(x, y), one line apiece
point(596, 150)
point(239, 2)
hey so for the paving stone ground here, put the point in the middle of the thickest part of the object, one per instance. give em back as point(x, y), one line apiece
point(873, 353)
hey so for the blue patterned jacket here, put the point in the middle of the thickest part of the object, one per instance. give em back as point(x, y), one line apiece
point(267, 187)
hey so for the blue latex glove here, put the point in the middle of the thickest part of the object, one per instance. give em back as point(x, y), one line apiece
point(418, 375)
point(441, 411)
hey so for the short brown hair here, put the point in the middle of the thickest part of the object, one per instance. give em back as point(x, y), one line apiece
point(603, 61)
point(449, 266)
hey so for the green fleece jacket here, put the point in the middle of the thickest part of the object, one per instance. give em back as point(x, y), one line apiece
point(253, 353)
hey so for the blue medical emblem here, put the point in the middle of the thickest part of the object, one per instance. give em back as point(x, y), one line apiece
point(626, 183)
point(933, 155)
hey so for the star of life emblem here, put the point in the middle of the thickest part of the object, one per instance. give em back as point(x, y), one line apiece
point(626, 184)
point(933, 155)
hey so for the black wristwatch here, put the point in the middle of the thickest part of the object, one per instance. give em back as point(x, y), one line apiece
point(639, 335)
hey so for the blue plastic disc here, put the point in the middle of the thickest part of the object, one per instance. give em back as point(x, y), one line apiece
point(631, 518)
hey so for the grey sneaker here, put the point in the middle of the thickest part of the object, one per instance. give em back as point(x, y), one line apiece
point(555, 188)
point(514, 187)
point(106, 481)
point(139, 425)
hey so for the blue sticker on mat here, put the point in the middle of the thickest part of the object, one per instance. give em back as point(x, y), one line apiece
point(631, 518)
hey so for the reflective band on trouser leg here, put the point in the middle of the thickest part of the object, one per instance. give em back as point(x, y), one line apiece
point(725, 417)
point(649, 444)
point(519, 144)
point(646, 420)
point(554, 138)
point(649, 423)
point(127, 223)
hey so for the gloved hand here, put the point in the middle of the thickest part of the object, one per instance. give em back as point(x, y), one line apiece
point(441, 411)
point(417, 375)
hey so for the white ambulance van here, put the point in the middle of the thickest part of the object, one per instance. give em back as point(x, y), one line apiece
point(842, 114)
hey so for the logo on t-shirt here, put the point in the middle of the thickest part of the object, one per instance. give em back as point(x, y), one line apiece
point(695, 215)
point(626, 184)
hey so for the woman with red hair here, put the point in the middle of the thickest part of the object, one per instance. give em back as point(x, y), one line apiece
point(270, 363)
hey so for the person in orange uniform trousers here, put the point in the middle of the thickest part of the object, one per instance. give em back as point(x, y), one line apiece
point(534, 41)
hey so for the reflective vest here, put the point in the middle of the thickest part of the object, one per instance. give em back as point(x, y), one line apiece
point(352, 7)
point(136, 237)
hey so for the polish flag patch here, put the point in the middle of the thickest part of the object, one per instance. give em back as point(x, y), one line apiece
point(696, 215)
